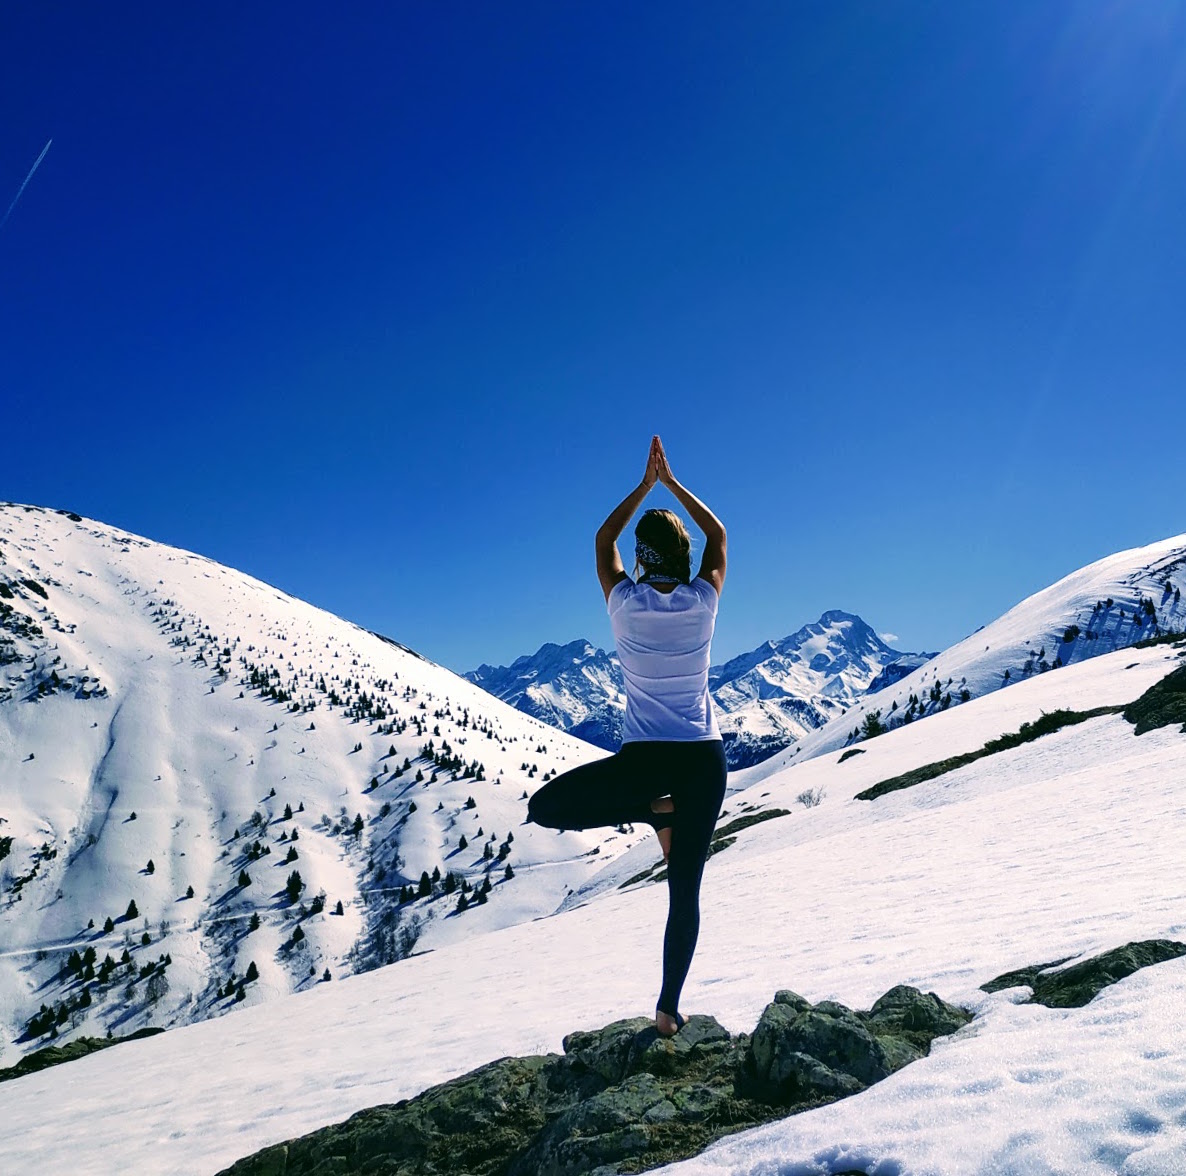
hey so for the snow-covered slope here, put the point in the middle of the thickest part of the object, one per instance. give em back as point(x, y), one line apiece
point(214, 766)
point(1062, 847)
point(1108, 605)
point(766, 698)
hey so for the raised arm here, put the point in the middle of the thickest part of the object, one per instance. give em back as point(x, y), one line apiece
point(609, 560)
point(712, 563)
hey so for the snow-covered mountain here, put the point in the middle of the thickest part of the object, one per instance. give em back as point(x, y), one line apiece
point(214, 793)
point(1110, 604)
point(576, 687)
point(1058, 849)
point(766, 698)
point(778, 693)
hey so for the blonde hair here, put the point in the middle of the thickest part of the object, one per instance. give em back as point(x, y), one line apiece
point(664, 531)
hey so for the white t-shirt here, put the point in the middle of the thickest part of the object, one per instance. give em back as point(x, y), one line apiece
point(663, 641)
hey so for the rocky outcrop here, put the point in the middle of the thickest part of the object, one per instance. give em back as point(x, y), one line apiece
point(1073, 987)
point(622, 1098)
point(1161, 705)
point(55, 1055)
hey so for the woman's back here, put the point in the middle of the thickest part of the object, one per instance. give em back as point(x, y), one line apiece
point(664, 647)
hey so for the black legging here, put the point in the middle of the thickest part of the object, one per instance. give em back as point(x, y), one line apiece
point(620, 789)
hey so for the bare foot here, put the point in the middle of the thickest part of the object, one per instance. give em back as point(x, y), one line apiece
point(664, 805)
point(665, 1024)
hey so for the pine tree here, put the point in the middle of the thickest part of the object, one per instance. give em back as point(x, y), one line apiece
point(462, 902)
point(508, 873)
point(133, 911)
point(244, 878)
point(338, 910)
point(252, 973)
point(189, 892)
point(294, 886)
point(463, 844)
point(253, 923)
point(108, 925)
point(150, 868)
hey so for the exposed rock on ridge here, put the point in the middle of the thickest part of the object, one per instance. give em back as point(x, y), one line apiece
point(622, 1098)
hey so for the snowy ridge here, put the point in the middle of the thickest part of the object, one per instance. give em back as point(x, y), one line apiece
point(1110, 604)
point(177, 740)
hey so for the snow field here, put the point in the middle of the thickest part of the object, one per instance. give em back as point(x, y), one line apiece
point(1063, 847)
point(175, 743)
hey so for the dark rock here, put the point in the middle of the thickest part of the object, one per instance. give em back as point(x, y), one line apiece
point(1020, 976)
point(906, 1012)
point(824, 1049)
point(1073, 987)
point(605, 1052)
point(622, 1098)
point(1162, 704)
point(53, 1055)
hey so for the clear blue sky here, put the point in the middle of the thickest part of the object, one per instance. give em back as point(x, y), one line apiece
point(382, 302)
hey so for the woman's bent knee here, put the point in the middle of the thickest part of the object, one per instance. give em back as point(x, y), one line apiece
point(540, 810)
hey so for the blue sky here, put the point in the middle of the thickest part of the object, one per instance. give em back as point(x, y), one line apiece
point(382, 303)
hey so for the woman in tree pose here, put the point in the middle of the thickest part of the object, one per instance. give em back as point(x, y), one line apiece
point(670, 769)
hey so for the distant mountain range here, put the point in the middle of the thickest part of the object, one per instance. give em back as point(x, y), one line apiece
point(767, 698)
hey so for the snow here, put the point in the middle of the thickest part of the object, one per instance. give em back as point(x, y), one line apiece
point(167, 737)
point(1066, 846)
point(1063, 847)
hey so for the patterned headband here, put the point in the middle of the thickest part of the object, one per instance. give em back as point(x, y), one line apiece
point(646, 554)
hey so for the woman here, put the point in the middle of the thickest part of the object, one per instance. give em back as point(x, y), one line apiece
point(670, 769)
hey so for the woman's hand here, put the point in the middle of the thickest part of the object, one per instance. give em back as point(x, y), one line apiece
point(662, 468)
point(652, 473)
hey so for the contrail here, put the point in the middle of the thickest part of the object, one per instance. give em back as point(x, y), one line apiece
point(21, 189)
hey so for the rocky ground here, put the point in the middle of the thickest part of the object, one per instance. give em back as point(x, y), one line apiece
point(623, 1099)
